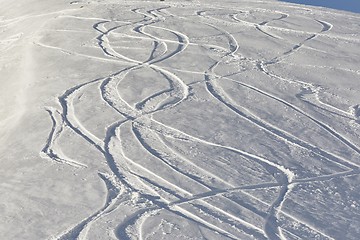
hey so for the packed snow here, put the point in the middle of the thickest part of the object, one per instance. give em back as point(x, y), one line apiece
point(192, 119)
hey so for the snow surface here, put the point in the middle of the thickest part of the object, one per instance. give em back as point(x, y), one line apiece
point(235, 119)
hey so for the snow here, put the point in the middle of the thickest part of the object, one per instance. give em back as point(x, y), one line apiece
point(178, 120)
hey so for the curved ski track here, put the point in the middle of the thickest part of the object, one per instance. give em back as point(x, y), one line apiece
point(127, 176)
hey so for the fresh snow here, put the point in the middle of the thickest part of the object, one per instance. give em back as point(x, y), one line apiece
point(193, 119)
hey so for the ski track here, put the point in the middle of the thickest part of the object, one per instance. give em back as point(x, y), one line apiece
point(127, 176)
point(271, 228)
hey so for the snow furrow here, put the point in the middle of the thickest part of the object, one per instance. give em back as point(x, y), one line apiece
point(166, 157)
point(281, 134)
point(50, 151)
point(79, 231)
point(327, 128)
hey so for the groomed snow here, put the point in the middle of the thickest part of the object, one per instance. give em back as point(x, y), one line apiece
point(235, 119)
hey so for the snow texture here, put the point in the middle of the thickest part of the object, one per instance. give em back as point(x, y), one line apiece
point(193, 119)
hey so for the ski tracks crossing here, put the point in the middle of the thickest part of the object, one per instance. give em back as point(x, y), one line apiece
point(144, 170)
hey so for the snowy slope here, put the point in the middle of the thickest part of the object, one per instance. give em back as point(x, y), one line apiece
point(236, 119)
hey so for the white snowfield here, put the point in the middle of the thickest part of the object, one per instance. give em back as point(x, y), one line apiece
point(178, 119)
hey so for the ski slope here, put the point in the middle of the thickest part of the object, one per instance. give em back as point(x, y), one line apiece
point(234, 119)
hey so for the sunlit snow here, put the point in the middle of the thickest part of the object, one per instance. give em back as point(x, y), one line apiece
point(192, 119)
